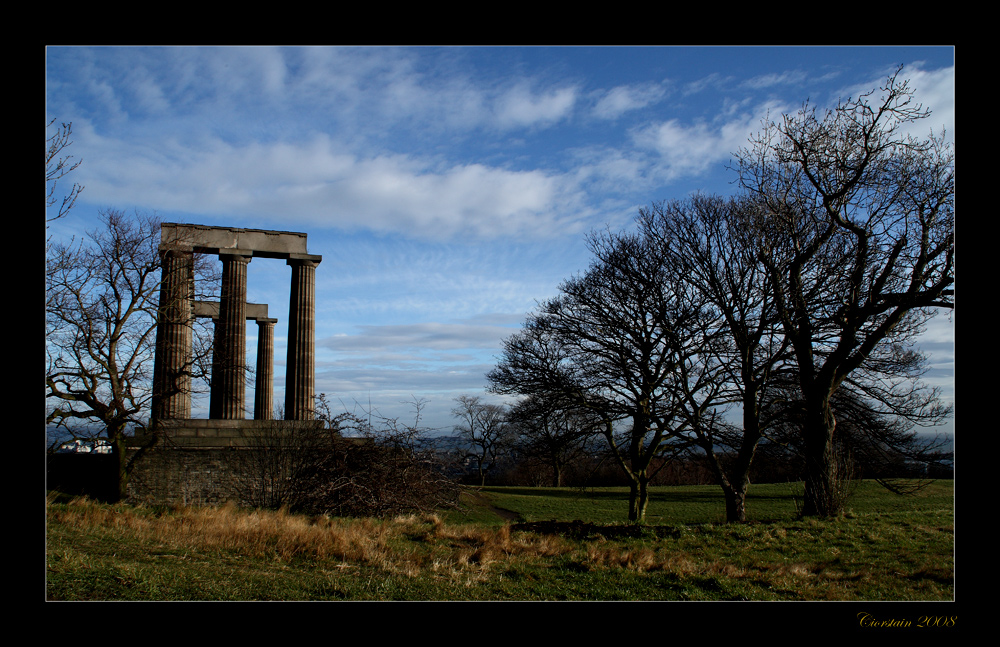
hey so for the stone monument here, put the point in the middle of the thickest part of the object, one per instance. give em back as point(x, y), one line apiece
point(171, 425)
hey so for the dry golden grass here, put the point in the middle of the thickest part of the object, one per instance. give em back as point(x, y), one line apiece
point(282, 536)
point(253, 533)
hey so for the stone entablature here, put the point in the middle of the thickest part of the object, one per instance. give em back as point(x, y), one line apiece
point(231, 240)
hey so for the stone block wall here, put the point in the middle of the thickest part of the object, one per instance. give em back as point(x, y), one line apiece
point(183, 475)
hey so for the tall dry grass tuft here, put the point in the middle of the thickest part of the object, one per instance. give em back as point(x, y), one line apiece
point(82, 512)
point(549, 545)
point(285, 536)
point(602, 555)
point(491, 546)
point(460, 548)
point(415, 525)
point(792, 577)
point(680, 563)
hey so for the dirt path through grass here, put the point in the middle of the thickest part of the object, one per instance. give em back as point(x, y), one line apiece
point(480, 499)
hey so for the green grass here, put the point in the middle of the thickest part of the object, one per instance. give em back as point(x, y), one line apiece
point(885, 548)
point(692, 504)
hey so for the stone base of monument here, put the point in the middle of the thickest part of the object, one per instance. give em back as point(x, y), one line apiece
point(201, 461)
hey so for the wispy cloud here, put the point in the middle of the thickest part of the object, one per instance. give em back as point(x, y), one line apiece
point(625, 98)
point(787, 77)
point(317, 185)
point(423, 336)
point(525, 107)
point(691, 149)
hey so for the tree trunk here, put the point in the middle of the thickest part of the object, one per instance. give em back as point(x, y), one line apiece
point(735, 488)
point(735, 496)
point(735, 482)
point(823, 495)
point(736, 504)
point(638, 498)
point(119, 451)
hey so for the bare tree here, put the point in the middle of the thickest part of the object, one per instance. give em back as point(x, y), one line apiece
point(858, 242)
point(392, 466)
point(102, 297)
point(485, 429)
point(626, 341)
point(56, 168)
point(557, 437)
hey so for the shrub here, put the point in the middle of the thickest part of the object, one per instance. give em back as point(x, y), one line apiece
point(375, 471)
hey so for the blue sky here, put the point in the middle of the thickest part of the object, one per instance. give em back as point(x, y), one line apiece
point(448, 189)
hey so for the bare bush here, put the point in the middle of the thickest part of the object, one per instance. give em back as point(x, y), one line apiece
point(354, 466)
point(270, 469)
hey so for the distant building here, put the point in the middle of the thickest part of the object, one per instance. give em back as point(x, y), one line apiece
point(79, 446)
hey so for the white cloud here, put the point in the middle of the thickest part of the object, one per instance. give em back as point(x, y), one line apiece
point(405, 195)
point(521, 107)
point(692, 149)
point(936, 91)
point(687, 149)
point(714, 80)
point(788, 77)
point(619, 100)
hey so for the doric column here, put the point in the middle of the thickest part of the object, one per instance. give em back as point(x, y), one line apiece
point(263, 402)
point(172, 363)
point(218, 362)
point(229, 356)
point(301, 367)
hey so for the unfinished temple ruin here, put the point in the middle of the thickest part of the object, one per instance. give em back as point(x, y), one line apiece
point(183, 458)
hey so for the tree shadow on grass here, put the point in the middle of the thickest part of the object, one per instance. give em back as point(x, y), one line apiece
point(584, 530)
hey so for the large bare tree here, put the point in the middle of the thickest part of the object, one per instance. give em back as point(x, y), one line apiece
point(102, 296)
point(857, 238)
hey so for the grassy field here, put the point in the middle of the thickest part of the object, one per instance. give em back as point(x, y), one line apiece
point(513, 544)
